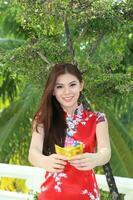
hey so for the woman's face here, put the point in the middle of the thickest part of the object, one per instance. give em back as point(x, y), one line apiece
point(67, 90)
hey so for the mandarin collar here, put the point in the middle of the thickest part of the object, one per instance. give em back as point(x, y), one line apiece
point(78, 111)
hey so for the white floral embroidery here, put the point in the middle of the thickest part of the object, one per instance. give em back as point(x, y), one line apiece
point(57, 188)
point(90, 195)
point(58, 183)
point(90, 115)
point(95, 194)
point(84, 191)
point(57, 178)
point(87, 118)
point(83, 123)
point(48, 175)
point(72, 123)
point(43, 189)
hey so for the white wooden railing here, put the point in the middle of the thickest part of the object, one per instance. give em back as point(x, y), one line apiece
point(35, 176)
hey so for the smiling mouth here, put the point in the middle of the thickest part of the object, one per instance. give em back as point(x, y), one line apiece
point(68, 98)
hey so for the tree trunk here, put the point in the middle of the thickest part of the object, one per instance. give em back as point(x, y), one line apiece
point(111, 182)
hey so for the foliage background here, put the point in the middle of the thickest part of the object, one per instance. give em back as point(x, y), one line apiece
point(97, 35)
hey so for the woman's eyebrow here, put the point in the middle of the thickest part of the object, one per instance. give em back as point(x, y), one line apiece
point(59, 84)
point(73, 82)
point(63, 83)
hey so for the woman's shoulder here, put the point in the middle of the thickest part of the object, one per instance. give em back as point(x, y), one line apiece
point(98, 115)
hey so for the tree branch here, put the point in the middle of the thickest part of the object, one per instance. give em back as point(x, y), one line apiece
point(96, 44)
point(69, 39)
point(43, 58)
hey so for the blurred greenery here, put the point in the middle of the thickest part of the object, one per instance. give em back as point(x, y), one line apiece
point(97, 35)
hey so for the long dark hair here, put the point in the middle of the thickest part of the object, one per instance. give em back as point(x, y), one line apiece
point(50, 114)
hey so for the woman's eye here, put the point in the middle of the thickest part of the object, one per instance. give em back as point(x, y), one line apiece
point(72, 85)
point(59, 86)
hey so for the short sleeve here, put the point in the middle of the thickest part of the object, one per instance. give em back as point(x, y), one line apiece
point(100, 117)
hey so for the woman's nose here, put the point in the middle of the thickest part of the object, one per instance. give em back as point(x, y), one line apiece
point(66, 90)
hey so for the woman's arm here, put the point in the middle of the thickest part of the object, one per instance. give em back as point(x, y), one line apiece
point(52, 163)
point(35, 156)
point(103, 143)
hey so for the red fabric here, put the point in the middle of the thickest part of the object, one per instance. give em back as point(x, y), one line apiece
point(75, 184)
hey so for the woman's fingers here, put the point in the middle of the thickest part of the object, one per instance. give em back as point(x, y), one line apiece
point(56, 163)
point(81, 162)
point(59, 162)
point(59, 157)
point(78, 157)
point(85, 161)
point(58, 166)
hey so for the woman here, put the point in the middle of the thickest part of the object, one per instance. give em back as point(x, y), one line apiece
point(62, 120)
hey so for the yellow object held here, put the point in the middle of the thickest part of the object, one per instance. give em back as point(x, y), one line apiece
point(69, 151)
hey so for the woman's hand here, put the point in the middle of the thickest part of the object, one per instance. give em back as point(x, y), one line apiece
point(85, 161)
point(88, 161)
point(55, 163)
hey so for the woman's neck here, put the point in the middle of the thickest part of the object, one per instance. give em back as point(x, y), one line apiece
point(70, 110)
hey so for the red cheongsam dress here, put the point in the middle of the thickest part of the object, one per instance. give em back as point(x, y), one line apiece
point(74, 184)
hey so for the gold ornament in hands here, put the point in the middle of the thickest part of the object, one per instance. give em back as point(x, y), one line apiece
point(69, 151)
